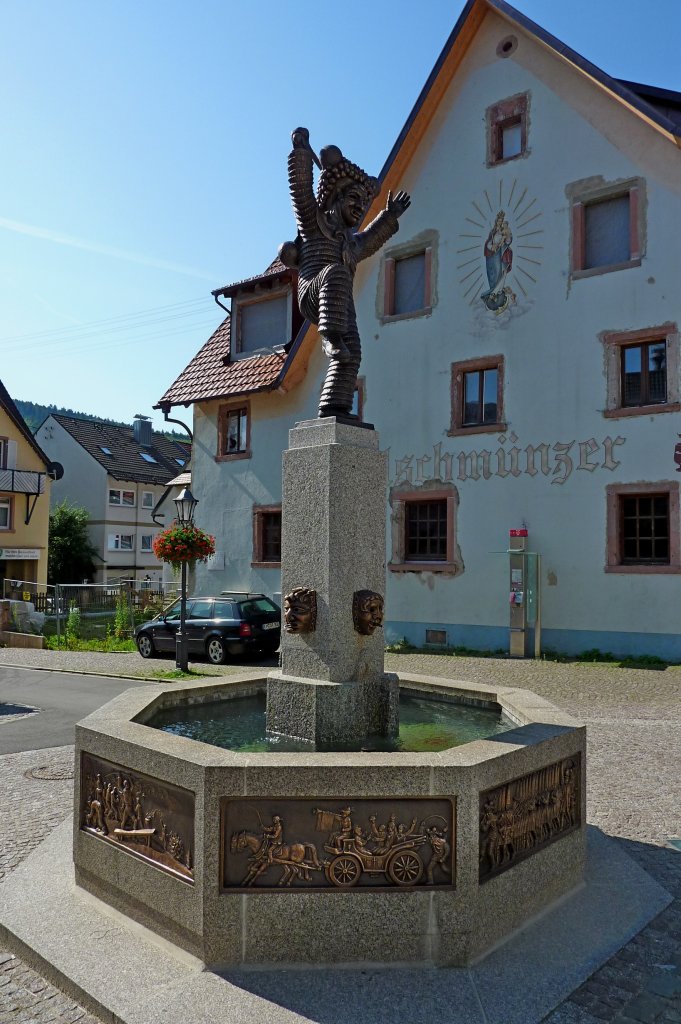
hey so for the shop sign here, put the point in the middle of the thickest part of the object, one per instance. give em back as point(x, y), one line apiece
point(19, 554)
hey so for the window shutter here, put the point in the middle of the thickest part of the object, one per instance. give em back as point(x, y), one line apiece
point(634, 230)
point(11, 455)
point(427, 271)
point(389, 287)
point(578, 236)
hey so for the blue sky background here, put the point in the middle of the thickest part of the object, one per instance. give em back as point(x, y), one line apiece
point(144, 158)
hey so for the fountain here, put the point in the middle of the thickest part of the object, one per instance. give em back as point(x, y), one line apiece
point(330, 853)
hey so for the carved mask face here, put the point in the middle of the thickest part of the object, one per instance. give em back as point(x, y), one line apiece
point(300, 611)
point(367, 612)
point(353, 202)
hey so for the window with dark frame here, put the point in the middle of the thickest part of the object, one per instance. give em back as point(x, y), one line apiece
point(3, 452)
point(507, 129)
point(266, 535)
point(477, 396)
point(480, 388)
point(644, 529)
point(425, 525)
point(271, 536)
point(644, 373)
point(235, 437)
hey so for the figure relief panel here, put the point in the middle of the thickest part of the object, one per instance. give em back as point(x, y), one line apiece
point(500, 253)
point(151, 819)
point(527, 814)
point(337, 844)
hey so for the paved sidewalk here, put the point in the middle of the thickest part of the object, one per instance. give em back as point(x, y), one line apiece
point(634, 733)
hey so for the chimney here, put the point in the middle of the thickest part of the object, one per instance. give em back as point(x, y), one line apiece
point(141, 428)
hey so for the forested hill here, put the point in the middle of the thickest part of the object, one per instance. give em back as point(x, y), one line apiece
point(34, 414)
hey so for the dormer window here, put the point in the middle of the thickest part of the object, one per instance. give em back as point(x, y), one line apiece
point(263, 323)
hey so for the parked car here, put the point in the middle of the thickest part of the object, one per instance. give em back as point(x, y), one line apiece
point(217, 627)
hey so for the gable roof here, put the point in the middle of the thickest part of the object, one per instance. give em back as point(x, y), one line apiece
point(7, 403)
point(639, 99)
point(207, 377)
point(125, 461)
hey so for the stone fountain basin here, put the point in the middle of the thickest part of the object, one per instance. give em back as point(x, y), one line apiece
point(193, 792)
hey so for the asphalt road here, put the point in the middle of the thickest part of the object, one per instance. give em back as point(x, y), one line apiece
point(63, 699)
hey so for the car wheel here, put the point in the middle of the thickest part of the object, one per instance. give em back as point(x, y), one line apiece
point(145, 645)
point(216, 650)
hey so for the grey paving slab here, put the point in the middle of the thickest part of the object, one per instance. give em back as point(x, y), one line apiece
point(73, 936)
point(543, 964)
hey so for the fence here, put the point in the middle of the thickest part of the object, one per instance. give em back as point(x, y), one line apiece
point(101, 608)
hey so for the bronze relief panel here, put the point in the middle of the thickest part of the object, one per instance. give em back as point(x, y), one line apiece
point(147, 818)
point(337, 844)
point(527, 814)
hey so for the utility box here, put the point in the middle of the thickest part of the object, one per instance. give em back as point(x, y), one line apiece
point(524, 606)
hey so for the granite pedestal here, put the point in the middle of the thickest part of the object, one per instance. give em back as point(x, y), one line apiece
point(332, 686)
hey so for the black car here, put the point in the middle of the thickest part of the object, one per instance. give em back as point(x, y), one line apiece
point(218, 627)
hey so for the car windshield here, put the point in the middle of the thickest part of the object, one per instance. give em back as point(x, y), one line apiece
point(258, 606)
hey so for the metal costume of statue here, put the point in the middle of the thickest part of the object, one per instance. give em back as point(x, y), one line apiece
point(327, 251)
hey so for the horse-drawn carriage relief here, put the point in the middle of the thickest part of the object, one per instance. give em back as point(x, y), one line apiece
point(525, 815)
point(366, 843)
point(151, 819)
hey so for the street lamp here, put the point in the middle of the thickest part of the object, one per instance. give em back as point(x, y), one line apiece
point(185, 504)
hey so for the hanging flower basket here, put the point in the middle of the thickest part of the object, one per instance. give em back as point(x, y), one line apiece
point(180, 544)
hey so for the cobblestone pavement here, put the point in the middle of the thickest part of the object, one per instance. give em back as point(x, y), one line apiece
point(634, 794)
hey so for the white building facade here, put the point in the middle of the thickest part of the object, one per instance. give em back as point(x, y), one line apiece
point(520, 359)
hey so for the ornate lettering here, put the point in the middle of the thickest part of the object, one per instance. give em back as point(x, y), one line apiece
point(403, 469)
point(442, 464)
point(420, 469)
point(470, 463)
point(609, 462)
point(530, 451)
point(563, 462)
point(515, 468)
point(587, 448)
point(501, 463)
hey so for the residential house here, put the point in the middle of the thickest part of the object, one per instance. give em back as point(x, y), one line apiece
point(521, 358)
point(25, 480)
point(119, 475)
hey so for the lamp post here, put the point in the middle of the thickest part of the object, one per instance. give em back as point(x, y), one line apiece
point(185, 504)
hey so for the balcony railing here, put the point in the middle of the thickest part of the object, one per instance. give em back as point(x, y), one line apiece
point(22, 481)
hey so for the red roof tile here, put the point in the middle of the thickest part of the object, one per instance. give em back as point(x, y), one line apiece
point(207, 376)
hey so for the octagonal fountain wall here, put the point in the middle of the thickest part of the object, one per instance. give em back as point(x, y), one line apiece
point(492, 832)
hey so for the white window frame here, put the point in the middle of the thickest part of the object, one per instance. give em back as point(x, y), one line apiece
point(150, 538)
point(145, 495)
point(120, 491)
point(115, 542)
point(6, 503)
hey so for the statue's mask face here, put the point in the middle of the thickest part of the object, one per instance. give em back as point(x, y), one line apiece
point(370, 615)
point(353, 202)
point(298, 615)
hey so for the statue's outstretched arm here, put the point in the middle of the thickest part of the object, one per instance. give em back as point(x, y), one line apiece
point(382, 227)
point(300, 182)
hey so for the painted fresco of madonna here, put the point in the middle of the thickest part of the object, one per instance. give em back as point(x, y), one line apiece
point(498, 263)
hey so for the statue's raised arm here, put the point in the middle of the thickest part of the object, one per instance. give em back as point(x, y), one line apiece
point(300, 181)
point(326, 253)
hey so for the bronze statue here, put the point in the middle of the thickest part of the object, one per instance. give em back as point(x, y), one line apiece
point(300, 610)
point(327, 251)
point(367, 611)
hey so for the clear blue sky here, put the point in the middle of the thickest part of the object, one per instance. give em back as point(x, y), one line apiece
point(144, 150)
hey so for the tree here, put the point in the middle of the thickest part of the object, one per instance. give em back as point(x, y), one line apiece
point(70, 554)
